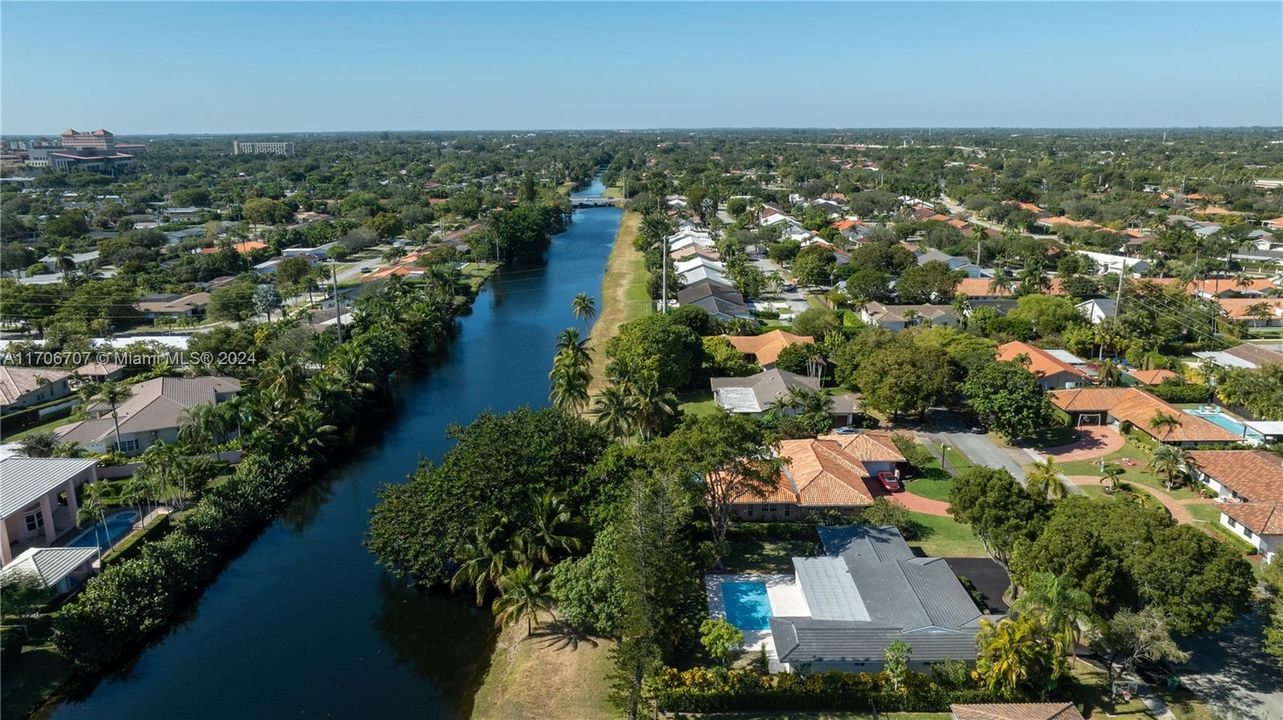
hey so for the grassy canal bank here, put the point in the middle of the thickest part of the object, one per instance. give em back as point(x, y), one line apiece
point(623, 295)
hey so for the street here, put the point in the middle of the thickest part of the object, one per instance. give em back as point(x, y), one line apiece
point(1231, 672)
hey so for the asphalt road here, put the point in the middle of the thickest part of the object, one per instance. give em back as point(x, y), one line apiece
point(978, 448)
point(1233, 674)
point(988, 577)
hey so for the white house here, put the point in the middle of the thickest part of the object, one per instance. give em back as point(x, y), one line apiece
point(1106, 263)
point(152, 414)
point(38, 499)
point(1249, 489)
point(1097, 310)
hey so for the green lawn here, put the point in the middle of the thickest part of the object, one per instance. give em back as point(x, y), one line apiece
point(934, 484)
point(751, 555)
point(1052, 437)
point(38, 428)
point(698, 402)
point(1136, 473)
point(1091, 695)
point(946, 537)
point(29, 680)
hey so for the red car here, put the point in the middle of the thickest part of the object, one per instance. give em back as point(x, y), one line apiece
point(890, 481)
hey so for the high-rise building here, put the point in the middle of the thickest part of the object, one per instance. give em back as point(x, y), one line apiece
point(262, 148)
point(95, 151)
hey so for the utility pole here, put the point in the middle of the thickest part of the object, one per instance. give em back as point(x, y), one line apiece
point(663, 263)
point(1118, 297)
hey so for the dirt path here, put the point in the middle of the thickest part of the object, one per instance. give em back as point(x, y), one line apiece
point(551, 674)
point(623, 295)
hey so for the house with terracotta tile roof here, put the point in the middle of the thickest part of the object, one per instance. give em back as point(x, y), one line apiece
point(899, 317)
point(1216, 287)
point(243, 248)
point(982, 288)
point(1256, 312)
point(1052, 372)
point(1152, 377)
point(765, 349)
point(1114, 406)
point(1249, 489)
point(832, 472)
point(1016, 711)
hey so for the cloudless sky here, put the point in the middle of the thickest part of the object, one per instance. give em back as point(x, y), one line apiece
point(138, 68)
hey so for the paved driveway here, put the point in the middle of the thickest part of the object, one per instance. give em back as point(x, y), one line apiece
point(979, 449)
point(1233, 674)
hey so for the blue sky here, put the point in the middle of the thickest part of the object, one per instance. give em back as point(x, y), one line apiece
point(231, 67)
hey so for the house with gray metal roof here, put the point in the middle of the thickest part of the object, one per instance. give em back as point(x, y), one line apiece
point(152, 414)
point(867, 591)
point(754, 394)
point(58, 568)
point(38, 499)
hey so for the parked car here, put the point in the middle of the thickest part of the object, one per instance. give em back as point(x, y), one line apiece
point(890, 482)
point(366, 269)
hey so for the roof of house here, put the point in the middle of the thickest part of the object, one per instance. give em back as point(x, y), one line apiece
point(50, 564)
point(1152, 377)
point(1219, 285)
point(156, 404)
point(720, 307)
point(18, 381)
point(1139, 407)
point(1243, 308)
point(24, 480)
point(829, 471)
point(1041, 362)
point(885, 594)
point(768, 346)
point(240, 247)
point(1254, 474)
point(183, 304)
point(983, 287)
point(1017, 711)
point(705, 288)
point(1262, 518)
point(899, 313)
point(98, 368)
point(755, 393)
point(1257, 354)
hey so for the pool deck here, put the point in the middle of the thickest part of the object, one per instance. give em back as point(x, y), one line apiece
point(786, 599)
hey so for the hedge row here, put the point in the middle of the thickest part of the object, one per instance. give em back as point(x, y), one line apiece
point(706, 690)
point(1182, 392)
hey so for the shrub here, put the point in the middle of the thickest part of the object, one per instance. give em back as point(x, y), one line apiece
point(885, 512)
point(1176, 392)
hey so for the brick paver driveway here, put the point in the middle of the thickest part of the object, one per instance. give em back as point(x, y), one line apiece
point(1094, 441)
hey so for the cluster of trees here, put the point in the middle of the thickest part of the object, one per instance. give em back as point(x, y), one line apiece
point(291, 422)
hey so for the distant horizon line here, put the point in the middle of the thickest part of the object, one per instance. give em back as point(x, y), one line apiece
point(712, 128)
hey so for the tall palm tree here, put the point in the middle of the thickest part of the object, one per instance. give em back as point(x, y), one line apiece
point(1064, 608)
point(523, 596)
point(616, 412)
point(552, 528)
point(1010, 652)
point(1044, 479)
point(570, 377)
point(113, 393)
point(205, 425)
point(585, 308)
point(166, 463)
point(655, 406)
point(482, 561)
point(1001, 283)
point(63, 262)
point(1164, 423)
point(1110, 374)
point(93, 507)
point(1172, 463)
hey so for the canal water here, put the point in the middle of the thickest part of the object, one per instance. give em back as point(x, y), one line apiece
point(304, 624)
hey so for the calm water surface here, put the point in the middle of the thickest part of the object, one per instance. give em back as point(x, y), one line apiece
point(304, 624)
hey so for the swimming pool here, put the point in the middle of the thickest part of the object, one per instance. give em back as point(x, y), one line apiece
point(1219, 418)
point(105, 534)
point(747, 605)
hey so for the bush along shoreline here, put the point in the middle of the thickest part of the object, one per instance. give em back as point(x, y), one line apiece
point(302, 416)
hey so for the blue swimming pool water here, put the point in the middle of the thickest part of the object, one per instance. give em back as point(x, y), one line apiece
point(1225, 421)
point(747, 605)
point(106, 534)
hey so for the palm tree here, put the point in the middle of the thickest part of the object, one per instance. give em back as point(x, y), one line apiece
point(616, 412)
point(93, 507)
point(482, 561)
point(552, 528)
point(585, 308)
point(135, 492)
point(1172, 463)
point(1164, 422)
point(570, 378)
point(165, 462)
point(523, 597)
point(1063, 607)
point(1010, 653)
point(204, 426)
point(63, 262)
point(1109, 374)
point(655, 406)
point(113, 393)
point(1110, 473)
point(1001, 283)
point(1044, 479)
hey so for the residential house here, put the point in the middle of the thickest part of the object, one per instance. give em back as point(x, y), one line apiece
point(717, 298)
point(26, 386)
point(1255, 312)
point(1114, 406)
point(954, 262)
point(867, 591)
point(765, 349)
point(152, 414)
point(1107, 263)
point(173, 305)
point(81, 261)
point(244, 248)
point(983, 288)
point(696, 269)
point(1219, 287)
point(1248, 356)
point(38, 499)
point(754, 395)
point(1054, 371)
point(1097, 310)
point(100, 372)
point(1152, 377)
point(899, 317)
point(59, 569)
point(1249, 489)
point(832, 472)
point(1016, 711)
